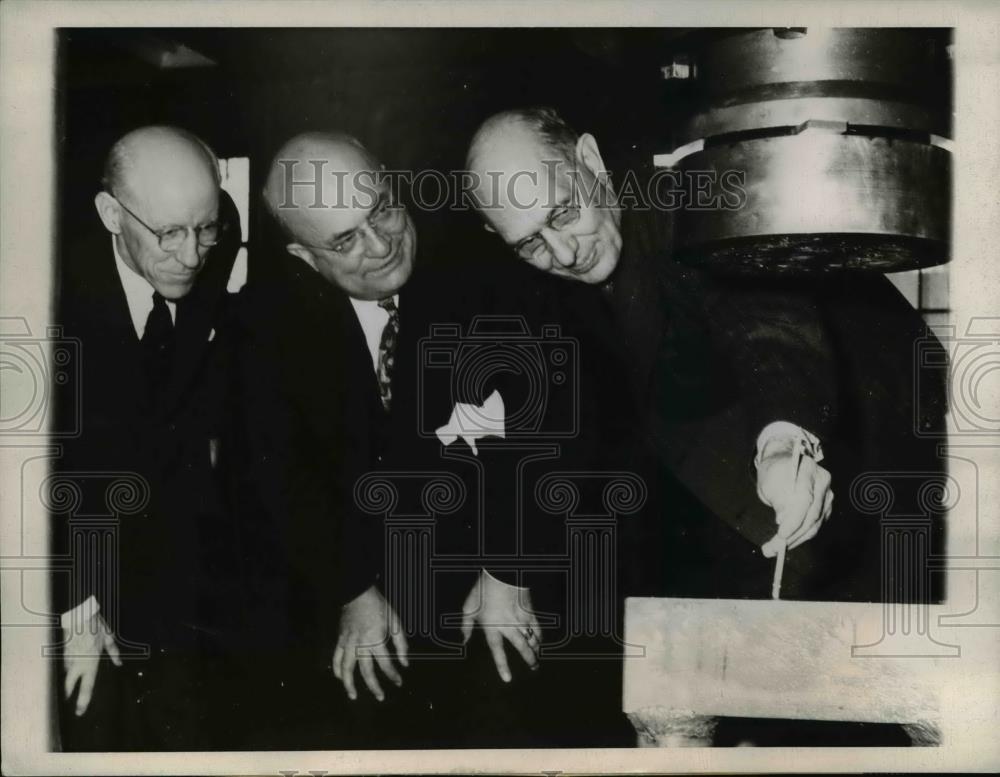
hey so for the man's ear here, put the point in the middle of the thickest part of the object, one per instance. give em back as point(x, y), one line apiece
point(301, 252)
point(109, 211)
point(588, 154)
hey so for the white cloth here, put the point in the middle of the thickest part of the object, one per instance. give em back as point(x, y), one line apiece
point(138, 293)
point(373, 320)
point(789, 431)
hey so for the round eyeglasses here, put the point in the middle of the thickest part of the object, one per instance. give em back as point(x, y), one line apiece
point(387, 217)
point(560, 218)
point(172, 238)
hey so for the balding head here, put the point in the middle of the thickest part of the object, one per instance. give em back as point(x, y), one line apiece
point(325, 191)
point(152, 152)
point(515, 131)
point(157, 178)
point(330, 158)
point(544, 189)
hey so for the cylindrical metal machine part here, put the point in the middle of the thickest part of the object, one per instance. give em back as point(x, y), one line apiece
point(839, 139)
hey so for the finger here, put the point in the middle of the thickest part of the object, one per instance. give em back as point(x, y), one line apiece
point(828, 505)
point(770, 548)
point(814, 512)
point(466, 628)
point(350, 659)
point(402, 648)
point(469, 609)
point(808, 535)
point(532, 638)
point(338, 657)
point(814, 518)
point(86, 690)
point(73, 673)
point(495, 642)
point(368, 675)
point(112, 647)
point(521, 645)
point(384, 662)
point(799, 493)
point(534, 625)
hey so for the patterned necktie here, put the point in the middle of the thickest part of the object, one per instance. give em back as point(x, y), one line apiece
point(158, 345)
point(387, 351)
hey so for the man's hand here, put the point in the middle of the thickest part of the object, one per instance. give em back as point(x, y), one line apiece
point(798, 488)
point(366, 624)
point(82, 658)
point(503, 612)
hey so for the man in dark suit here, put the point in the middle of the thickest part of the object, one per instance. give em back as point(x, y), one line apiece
point(746, 384)
point(317, 332)
point(149, 599)
point(337, 393)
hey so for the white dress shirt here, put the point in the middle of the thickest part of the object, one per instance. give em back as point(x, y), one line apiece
point(138, 293)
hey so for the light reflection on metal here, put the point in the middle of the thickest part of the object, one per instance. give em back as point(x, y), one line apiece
point(843, 137)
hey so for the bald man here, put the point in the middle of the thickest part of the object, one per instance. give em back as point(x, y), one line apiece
point(145, 603)
point(736, 375)
point(316, 330)
point(333, 337)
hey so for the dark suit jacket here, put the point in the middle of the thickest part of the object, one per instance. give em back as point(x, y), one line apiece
point(716, 358)
point(315, 427)
point(151, 500)
point(346, 496)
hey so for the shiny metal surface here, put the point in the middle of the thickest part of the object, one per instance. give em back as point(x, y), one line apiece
point(903, 59)
point(827, 196)
point(795, 111)
point(840, 135)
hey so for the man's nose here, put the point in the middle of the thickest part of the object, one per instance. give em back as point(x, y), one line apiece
point(376, 245)
point(563, 246)
point(189, 254)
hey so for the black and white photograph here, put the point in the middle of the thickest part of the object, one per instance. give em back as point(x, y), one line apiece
point(420, 387)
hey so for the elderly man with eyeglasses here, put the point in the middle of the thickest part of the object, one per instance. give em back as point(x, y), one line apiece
point(745, 383)
point(337, 393)
point(146, 605)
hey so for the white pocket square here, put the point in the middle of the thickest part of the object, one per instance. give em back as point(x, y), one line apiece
point(470, 422)
point(211, 335)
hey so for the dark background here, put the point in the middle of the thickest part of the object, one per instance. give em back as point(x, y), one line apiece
point(413, 96)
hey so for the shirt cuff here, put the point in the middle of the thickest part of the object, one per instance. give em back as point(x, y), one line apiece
point(519, 588)
point(788, 431)
point(84, 611)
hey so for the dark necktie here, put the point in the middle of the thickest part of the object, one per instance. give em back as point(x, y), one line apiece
point(387, 351)
point(158, 345)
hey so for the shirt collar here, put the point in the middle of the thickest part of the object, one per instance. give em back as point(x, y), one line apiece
point(138, 293)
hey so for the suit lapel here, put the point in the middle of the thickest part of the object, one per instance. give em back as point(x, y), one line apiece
point(103, 312)
point(343, 382)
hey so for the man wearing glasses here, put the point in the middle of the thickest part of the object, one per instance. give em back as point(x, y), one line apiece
point(317, 345)
point(741, 381)
point(143, 613)
point(336, 391)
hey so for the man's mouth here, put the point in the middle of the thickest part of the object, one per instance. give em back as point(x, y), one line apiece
point(386, 264)
point(178, 277)
point(588, 263)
